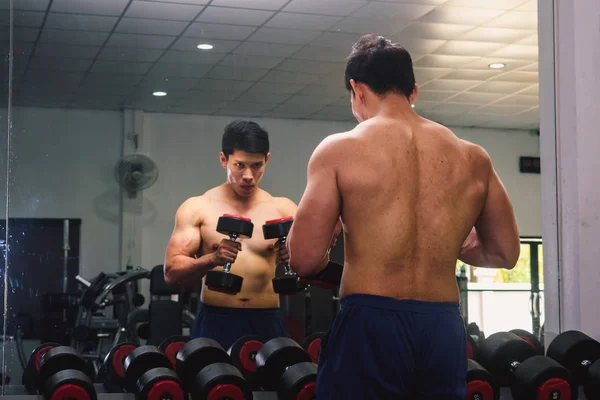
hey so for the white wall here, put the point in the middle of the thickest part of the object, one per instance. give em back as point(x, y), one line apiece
point(62, 167)
point(63, 160)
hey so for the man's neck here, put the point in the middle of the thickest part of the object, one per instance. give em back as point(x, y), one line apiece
point(391, 106)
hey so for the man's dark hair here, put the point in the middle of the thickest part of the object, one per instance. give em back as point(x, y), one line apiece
point(381, 65)
point(246, 136)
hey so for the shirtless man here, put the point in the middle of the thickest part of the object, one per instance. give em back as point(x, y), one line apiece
point(196, 247)
point(413, 198)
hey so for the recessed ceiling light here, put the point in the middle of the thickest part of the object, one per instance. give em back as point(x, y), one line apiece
point(205, 46)
point(497, 65)
point(159, 94)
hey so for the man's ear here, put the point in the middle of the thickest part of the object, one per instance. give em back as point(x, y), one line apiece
point(223, 160)
point(359, 91)
point(267, 157)
point(414, 95)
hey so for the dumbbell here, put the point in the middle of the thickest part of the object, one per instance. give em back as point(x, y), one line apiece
point(149, 374)
point(312, 345)
point(472, 348)
point(63, 374)
point(531, 339)
point(284, 366)
point(114, 366)
point(171, 346)
point(224, 281)
point(279, 229)
point(31, 370)
point(514, 363)
point(580, 354)
point(208, 373)
point(328, 278)
point(243, 355)
point(481, 385)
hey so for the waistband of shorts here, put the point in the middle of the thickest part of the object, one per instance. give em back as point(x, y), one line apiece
point(236, 311)
point(389, 303)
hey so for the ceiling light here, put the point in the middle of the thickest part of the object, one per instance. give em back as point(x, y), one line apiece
point(497, 65)
point(205, 46)
point(159, 94)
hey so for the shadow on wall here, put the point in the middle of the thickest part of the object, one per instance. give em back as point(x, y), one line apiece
point(107, 208)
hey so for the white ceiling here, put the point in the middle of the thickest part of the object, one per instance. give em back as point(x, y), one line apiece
point(272, 58)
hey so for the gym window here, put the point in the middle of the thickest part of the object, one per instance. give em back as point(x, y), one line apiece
point(493, 291)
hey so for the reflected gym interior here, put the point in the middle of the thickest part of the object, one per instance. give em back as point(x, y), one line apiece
point(112, 114)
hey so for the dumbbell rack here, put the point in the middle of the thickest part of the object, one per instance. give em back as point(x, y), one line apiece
point(18, 393)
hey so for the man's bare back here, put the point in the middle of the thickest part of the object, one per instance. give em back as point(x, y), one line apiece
point(431, 186)
point(256, 260)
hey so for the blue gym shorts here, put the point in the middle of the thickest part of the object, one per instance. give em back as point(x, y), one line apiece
point(227, 324)
point(383, 348)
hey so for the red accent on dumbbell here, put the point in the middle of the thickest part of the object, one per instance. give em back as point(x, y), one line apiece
point(307, 392)
point(525, 338)
point(483, 387)
point(554, 385)
point(70, 392)
point(170, 388)
point(238, 217)
point(278, 220)
point(39, 355)
point(119, 357)
point(221, 392)
point(313, 350)
point(171, 352)
point(253, 346)
point(470, 351)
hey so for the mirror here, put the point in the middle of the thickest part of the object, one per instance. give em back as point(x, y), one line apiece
point(103, 89)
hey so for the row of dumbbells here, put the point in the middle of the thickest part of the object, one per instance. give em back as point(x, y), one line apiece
point(516, 359)
point(179, 368)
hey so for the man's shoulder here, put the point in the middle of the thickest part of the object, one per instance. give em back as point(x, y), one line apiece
point(285, 205)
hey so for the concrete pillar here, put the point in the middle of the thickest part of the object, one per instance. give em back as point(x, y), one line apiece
point(569, 33)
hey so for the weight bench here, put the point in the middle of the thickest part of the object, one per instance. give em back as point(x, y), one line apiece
point(164, 317)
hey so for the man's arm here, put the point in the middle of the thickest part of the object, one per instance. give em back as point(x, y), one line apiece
point(317, 221)
point(181, 267)
point(494, 240)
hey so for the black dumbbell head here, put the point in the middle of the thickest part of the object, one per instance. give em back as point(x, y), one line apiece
point(114, 362)
point(571, 348)
point(229, 224)
point(499, 350)
point(224, 282)
point(541, 377)
point(243, 354)
point(223, 381)
point(69, 384)
point(140, 361)
point(299, 381)
point(197, 354)
point(312, 345)
point(275, 356)
point(531, 339)
point(160, 383)
point(481, 385)
point(287, 285)
point(171, 346)
point(277, 228)
point(472, 348)
point(592, 387)
point(30, 374)
point(58, 359)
